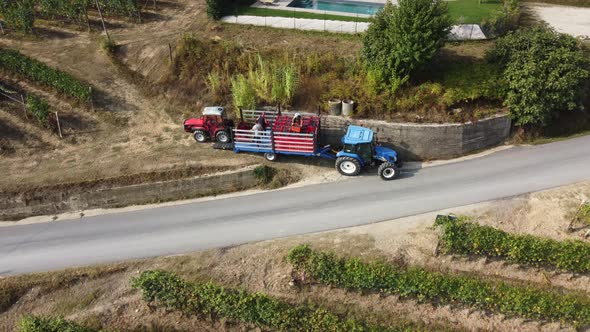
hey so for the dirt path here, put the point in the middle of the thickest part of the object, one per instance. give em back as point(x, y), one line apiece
point(574, 21)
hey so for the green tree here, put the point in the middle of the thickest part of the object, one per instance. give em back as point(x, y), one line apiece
point(402, 39)
point(545, 74)
point(215, 9)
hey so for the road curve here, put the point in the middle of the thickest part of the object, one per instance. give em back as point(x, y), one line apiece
point(223, 222)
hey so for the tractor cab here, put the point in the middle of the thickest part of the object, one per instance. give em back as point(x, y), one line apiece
point(360, 150)
point(213, 125)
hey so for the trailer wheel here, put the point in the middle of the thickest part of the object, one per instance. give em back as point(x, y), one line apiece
point(271, 156)
point(222, 136)
point(388, 171)
point(348, 166)
point(200, 136)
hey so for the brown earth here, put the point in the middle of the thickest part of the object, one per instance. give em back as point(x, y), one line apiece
point(134, 123)
point(102, 295)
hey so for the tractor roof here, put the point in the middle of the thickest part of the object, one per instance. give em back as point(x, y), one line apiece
point(357, 135)
point(213, 110)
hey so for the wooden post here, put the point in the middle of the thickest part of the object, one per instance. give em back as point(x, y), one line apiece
point(102, 20)
point(22, 98)
point(170, 52)
point(58, 125)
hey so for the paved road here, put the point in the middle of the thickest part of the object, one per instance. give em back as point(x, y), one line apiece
point(223, 222)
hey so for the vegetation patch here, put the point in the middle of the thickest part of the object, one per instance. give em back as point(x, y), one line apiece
point(439, 288)
point(13, 288)
point(230, 73)
point(16, 63)
point(20, 15)
point(171, 292)
point(465, 238)
point(583, 214)
point(43, 324)
point(546, 74)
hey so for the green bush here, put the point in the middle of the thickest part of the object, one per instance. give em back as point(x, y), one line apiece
point(402, 38)
point(38, 72)
point(173, 293)
point(243, 93)
point(215, 9)
point(503, 21)
point(39, 324)
point(73, 10)
point(39, 108)
point(125, 8)
point(525, 301)
point(465, 238)
point(545, 74)
point(19, 14)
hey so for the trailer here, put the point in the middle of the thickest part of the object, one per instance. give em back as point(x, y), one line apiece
point(299, 135)
point(285, 134)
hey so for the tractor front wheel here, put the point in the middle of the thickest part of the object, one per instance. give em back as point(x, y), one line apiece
point(348, 166)
point(388, 171)
point(270, 156)
point(200, 136)
point(222, 136)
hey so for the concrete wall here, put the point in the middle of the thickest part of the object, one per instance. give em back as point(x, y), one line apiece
point(44, 202)
point(425, 141)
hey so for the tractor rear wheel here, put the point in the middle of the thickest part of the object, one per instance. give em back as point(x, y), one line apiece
point(348, 166)
point(388, 171)
point(222, 136)
point(200, 136)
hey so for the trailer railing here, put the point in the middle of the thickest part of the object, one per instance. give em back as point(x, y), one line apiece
point(276, 142)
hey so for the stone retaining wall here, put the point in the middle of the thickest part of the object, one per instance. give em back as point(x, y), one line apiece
point(425, 141)
point(45, 202)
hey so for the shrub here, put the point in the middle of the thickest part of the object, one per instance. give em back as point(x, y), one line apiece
point(38, 72)
point(402, 39)
point(503, 21)
point(243, 93)
point(215, 9)
point(109, 46)
point(39, 324)
point(125, 8)
point(465, 238)
point(73, 10)
point(525, 301)
point(168, 290)
point(39, 108)
point(544, 71)
point(19, 14)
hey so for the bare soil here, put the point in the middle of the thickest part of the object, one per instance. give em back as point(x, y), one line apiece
point(102, 295)
point(134, 123)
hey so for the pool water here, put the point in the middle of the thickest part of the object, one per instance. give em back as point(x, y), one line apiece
point(336, 6)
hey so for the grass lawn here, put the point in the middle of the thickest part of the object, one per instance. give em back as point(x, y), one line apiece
point(471, 11)
point(461, 11)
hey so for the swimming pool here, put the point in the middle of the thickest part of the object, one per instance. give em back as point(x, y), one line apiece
point(339, 6)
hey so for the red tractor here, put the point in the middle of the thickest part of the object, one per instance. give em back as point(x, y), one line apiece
point(212, 125)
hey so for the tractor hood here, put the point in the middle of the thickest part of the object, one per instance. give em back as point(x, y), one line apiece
point(194, 122)
point(385, 154)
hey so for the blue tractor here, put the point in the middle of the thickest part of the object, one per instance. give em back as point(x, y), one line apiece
point(360, 150)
